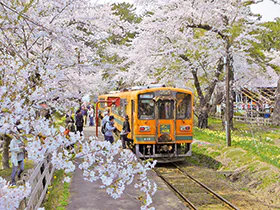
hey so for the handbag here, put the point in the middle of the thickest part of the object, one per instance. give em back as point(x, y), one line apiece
point(66, 132)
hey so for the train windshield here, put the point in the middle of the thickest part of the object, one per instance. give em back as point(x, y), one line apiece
point(166, 109)
point(184, 106)
point(146, 107)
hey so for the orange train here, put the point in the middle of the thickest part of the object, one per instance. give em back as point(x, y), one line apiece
point(161, 120)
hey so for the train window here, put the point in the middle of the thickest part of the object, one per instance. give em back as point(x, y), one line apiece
point(166, 109)
point(184, 106)
point(118, 110)
point(146, 108)
point(102, 105)
point(113, 109)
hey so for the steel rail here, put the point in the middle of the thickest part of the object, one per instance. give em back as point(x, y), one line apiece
point(206, 188)
point(176, 190)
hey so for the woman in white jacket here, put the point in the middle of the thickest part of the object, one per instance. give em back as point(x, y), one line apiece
point(17, 157)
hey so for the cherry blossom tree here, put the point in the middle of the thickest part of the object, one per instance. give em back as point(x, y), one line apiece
point(48, 55)
point(182, 41)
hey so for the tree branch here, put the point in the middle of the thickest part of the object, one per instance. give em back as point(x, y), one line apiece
point(207, 28)
point(24, 16)
point(196, 81)
point(213, 84)
point(61, 11)
point(8, 40)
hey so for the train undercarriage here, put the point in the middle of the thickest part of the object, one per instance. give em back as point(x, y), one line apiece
point(163, 153)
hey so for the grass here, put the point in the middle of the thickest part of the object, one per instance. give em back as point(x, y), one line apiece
point(266, 148)
point(252, 162)
point(267, 133)
point(58, 193)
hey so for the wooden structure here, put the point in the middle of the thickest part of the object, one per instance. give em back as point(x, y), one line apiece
point(39, 180)
point(251, 120)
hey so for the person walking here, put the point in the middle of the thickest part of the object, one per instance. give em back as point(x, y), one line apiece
point(85, 115)
point(17, 150)
point(109, 129)
point(69, 124)
point(79, 122)
point(105, 118)
point(91, 116)
point(125, 131)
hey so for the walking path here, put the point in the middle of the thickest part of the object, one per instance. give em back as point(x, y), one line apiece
point(88, 196)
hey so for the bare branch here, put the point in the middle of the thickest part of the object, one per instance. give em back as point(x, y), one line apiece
point(61, 11)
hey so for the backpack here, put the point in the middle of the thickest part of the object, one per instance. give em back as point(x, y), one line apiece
point(103, 128)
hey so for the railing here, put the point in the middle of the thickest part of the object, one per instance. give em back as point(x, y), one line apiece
point(39, 180)
point(252, 120)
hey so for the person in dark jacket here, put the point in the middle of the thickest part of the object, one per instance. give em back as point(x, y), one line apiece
point(85, 115)
point(125, 131)
point(79, 122)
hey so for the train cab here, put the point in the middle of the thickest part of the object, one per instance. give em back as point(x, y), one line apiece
point(161, 120)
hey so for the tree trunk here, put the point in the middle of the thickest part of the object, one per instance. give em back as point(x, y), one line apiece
point(203, 117)
point(276, 111)
point(205, 96)
point(5, 157)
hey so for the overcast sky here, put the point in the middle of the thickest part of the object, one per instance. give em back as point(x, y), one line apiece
point(267, 9)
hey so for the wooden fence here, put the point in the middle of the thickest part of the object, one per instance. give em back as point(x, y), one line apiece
point(39, 180)
point(254, 120)
point(251, 120)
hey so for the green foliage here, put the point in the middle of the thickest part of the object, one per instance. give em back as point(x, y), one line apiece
point(126, 12)
point(270, 40)
point(59, 119)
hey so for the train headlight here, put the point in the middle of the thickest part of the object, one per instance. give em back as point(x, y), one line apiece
point(144, 128)
point(185, 127)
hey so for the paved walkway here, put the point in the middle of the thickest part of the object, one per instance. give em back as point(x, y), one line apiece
point(88, 196)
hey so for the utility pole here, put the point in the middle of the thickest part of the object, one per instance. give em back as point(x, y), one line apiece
point(227, 122)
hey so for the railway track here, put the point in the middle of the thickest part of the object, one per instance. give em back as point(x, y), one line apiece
point(194, 193)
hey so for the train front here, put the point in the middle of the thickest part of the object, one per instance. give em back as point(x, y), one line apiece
point(164, 124)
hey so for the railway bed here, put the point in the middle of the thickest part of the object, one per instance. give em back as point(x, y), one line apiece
point(195, 194)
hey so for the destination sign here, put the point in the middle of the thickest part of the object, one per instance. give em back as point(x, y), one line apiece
point(165, 92)
point(146, 96)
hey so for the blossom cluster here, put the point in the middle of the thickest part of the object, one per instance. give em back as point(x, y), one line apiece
point(46, 57)
point(10, 198)
point(116, 168)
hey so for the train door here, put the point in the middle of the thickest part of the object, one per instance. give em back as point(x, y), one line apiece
point(165, 117)
point(132, 119)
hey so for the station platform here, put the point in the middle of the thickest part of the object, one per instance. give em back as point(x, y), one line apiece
point(88, 196)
